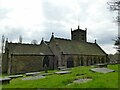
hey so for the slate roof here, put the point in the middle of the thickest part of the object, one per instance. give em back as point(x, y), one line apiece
point(17, 48)
point(75, 47)
point(66, 46)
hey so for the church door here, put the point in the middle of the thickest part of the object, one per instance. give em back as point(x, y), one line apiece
point(70, 62)
point(46, 61)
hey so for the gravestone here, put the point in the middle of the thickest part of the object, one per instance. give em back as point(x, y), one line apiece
point(5, 80)
point(102, 70)
point(62, 67)
point(81, 80)
point(65, 69)
point(15, 76)
point(101, 65)
point(33, 77)
point(32, 73)
point(63, 72)
point(45, 68)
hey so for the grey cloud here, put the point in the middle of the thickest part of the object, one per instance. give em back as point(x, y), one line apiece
point(13, 33)
point(106, 39)
point(53, 12)
point(57, 28)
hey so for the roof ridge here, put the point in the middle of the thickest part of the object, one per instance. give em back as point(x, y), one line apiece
point(90, 43)
point(62, 39)
point(23, 44)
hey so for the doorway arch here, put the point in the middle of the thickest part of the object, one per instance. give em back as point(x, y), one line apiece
point(46, 61)
point(70, 62)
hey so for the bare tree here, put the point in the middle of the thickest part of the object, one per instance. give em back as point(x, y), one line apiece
point(34, 42)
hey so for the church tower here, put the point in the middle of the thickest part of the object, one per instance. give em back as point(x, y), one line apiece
point(79, 35)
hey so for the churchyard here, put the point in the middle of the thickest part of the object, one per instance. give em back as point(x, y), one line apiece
point(78, 77)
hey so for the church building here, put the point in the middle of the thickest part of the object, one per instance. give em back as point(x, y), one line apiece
point(22, 58)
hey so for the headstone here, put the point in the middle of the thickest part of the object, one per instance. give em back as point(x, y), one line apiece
point(45, 68)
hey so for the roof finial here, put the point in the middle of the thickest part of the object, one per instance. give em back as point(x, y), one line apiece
point(95, 40)
point(52, 33)
point(42, 38)
point(6, 39)
point(78, 26)
point(42, 41)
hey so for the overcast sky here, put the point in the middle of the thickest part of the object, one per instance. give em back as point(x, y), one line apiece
point(34, 19)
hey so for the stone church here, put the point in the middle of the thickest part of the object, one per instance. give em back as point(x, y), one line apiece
point(22, 58)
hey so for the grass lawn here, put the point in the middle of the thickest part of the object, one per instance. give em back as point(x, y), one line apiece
point(99, 80)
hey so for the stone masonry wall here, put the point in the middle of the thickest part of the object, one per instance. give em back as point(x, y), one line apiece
point(79, 60)
point(23, 64)
point(4, 63)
